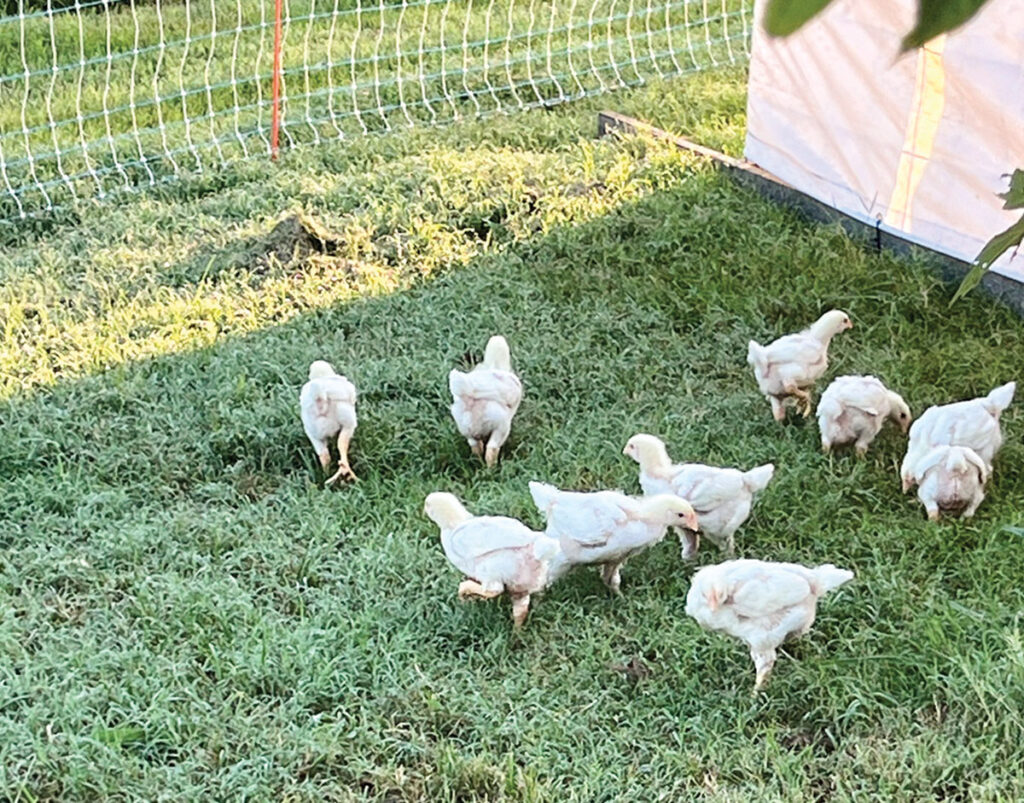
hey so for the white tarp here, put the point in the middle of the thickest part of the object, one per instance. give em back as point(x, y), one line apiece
point(921, 142)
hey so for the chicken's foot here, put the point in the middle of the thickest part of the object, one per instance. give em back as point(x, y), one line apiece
point(471, 588)
point(344, 470)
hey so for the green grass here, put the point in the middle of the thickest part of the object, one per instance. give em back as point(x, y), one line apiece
point(187, 615)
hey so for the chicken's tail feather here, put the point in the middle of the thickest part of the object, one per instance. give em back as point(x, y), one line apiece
point(757, 355)
point(1000, 398)
point(543, 495)
point(830, 577)
point(758, 478)
point(458, 383)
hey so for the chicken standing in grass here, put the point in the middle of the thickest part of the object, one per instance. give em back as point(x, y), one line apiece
point(721, 497)
point(973, 423)
point(607, 527)
point(327, 405)
point(763, 604)
point(497, 554)
point(486, 399)
point(854, 408)
point(951, 480)
point(788, 367)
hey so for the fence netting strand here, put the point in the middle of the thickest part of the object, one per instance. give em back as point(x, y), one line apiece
point(99, 97)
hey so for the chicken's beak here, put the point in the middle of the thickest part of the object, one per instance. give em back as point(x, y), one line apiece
point(905, 426)
point(712, 599)
point(849, 324)
point(627, 449)
point(691, 521)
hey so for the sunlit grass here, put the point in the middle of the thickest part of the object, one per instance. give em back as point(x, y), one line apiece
point(188, 615)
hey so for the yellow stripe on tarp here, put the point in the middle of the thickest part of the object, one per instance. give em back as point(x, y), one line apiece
point(922, 127)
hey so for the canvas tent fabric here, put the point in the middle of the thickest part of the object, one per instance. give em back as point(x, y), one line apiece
point(919, 143)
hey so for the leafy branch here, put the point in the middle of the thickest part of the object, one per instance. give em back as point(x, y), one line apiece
point(934, 17)
point(1013, 237)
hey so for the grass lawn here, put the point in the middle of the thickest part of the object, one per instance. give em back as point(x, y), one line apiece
point(187, 615)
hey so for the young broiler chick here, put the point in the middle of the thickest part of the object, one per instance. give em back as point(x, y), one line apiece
point(951, 480)
point(854, 408)
point(786, 368)
point(327, 404)
point(486, 399)
point(721, 497)
point(497, 554)
point(607, 527)
point(761, 603)
point(973, 423)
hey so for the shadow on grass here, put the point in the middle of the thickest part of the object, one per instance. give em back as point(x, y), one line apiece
point(661, 293)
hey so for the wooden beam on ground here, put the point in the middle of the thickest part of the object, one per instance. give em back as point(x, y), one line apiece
point(949, 269)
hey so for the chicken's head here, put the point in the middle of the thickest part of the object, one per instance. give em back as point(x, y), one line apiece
point(320, 369)
point(647, 450)
point(899, 411)
point(445, 510)
point(497, 354)
point(669, 510)
point(831, 323)
point(716, 593)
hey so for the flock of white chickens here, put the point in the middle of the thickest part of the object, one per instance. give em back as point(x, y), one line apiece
point(762, 603)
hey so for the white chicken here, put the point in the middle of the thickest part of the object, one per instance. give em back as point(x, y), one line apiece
point(761, 603)
point(786, 368)
point(486, 399)
point(854, 408)
point(721, 497)
point(951, 480)
point(607, 527)
point(497, 554)
point(327, 404)
point(973, 423)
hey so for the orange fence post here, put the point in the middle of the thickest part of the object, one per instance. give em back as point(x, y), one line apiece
point(275, 113)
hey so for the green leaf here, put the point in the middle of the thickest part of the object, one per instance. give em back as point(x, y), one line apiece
point(993, 249)
point(939, 16)
point(1014, 196)
point(785, 16)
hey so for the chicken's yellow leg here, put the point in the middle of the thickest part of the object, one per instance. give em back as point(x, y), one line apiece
point(520, 607)
point(611, 577)
point(344, 470)
point(491, 456)
point(763, 662)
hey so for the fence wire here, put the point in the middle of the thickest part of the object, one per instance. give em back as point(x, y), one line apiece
point(105, 96)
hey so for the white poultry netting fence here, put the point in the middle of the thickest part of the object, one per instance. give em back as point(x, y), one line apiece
point(105, 96)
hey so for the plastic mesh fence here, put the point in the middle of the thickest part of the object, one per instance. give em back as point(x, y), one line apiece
point(106, 96)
